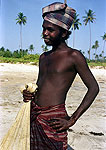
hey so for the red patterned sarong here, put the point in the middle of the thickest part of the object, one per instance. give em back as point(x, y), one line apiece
point(42, 136)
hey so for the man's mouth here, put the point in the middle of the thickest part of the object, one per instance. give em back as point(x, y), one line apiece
point(46, 39)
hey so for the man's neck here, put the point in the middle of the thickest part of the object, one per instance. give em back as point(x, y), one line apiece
point(60, 46)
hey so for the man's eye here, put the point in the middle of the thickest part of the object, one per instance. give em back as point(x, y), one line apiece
point(50, 29)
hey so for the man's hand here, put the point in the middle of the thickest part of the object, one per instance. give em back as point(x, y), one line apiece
point(60, 124)
point(27, 96)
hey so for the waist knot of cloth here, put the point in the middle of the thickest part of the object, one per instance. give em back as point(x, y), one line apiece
point(48, 112)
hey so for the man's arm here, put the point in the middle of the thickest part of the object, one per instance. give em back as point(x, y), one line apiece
point(90, 82)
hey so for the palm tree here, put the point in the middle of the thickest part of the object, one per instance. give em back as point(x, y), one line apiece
point(21, 19)
point(100, 56)
point(88, 52)
point(75, 26)
point(104, 39)
point(95, 47)
point(31, 48)
point(44, 48)
point(2, 49)
point(89, 18)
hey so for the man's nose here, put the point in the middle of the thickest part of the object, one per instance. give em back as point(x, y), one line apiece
point(46, 32)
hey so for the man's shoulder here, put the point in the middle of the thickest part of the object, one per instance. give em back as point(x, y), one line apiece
point(75, 56)
point(43, 55)
point(74, 53)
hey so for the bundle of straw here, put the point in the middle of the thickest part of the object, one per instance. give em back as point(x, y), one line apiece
point(18, 136)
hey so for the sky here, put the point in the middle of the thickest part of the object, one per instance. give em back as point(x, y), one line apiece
point(31, 32)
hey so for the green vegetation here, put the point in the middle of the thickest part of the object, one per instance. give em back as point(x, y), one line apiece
point(104, 39)
point(95, 46)
point(28, 59)
point(31, 48)
point(20, 56)
point(44, 48)
point(98, 63)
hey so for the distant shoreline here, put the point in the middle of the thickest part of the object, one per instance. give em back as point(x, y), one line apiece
point(34, 64)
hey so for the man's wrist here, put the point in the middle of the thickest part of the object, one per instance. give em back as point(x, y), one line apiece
point(72, 121)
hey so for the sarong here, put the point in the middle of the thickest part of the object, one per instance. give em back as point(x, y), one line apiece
point(42, 136)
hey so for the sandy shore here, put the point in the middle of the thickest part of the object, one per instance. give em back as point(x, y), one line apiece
point(89, 133)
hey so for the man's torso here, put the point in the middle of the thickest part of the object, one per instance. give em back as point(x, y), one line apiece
point(56, 74)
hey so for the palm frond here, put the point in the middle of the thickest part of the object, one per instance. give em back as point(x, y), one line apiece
point(89, 16)
point(76, 22)
point(21, 19)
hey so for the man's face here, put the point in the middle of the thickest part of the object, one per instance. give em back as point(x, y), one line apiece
point(51, 33)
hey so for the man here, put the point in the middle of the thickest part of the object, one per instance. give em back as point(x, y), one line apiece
point(57, 71)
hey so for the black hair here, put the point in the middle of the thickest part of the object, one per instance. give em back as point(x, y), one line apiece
point(68, 33)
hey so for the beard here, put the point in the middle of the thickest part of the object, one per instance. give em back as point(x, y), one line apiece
point(53, 41)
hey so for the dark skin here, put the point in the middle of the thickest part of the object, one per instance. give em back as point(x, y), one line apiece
point(57, 71)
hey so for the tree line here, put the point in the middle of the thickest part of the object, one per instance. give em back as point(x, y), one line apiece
point(20, 53)
point(17, 53)
point(18, 56)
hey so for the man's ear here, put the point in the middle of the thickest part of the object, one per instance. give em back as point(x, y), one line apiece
point(64, 33)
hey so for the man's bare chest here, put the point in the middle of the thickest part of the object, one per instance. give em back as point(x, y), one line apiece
point(55, 64)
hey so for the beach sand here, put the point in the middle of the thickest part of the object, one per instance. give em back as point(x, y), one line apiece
point(89, 132)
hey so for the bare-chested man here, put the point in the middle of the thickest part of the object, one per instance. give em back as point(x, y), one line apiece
point(57, 71)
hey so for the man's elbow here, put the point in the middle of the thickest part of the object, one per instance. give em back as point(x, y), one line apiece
point(96, 89)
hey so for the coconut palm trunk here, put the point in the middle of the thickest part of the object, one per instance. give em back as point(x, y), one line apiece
point(90, 41)
point(75, 25)
point(73, 38)
point(21, 36)
point(95, 54)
